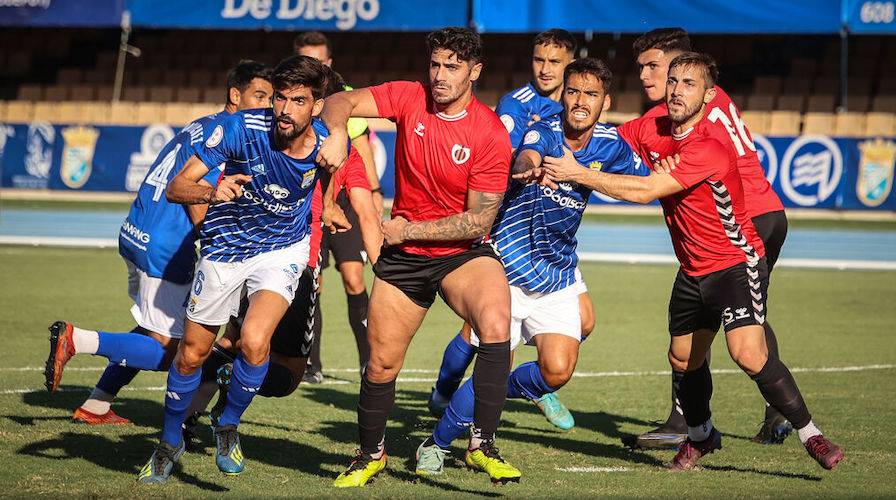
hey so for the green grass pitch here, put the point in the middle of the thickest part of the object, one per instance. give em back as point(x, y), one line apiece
point(297, 445)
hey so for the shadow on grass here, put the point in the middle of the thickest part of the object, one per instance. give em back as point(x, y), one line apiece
point(142, 412)
point(750, 470)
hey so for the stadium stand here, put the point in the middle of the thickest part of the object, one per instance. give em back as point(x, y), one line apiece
point(783, 84)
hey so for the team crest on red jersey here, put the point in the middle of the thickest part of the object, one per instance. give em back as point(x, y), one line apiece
point(460, 154)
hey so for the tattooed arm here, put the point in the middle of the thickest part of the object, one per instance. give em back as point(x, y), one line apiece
point(473, 223)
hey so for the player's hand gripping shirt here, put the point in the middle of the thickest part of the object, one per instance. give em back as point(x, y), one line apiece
point(158, 236)
point(440, 158)
point(708, 220)
point(274, 209)
point(535, 231)
point(724, 123)
point(519, 107)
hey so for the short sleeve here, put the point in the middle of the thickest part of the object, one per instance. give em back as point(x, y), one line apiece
point(700, 160)
point(392, 97)
point(621, 159)
point(514, 118)
point(223, 143)
point(353, 174)
point(541, 139)
point(491, 165)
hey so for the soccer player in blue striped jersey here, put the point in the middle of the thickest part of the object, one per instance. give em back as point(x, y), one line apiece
point(552, 51)
point(534, 233)
point(254, 243)
point(157, 242)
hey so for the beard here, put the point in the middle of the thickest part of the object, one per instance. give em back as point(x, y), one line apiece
point(283, 138)
point(685, 113)
point(447, 96)
point(580, 125)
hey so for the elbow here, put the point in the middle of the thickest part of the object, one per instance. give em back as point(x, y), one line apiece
point(642, 198)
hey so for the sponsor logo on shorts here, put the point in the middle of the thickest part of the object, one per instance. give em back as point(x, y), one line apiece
point(192, 306)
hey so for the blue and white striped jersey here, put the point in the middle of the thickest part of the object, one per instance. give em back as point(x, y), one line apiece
point(157, 236)
point(274, 209)
point(517, 107)
point(535, 230)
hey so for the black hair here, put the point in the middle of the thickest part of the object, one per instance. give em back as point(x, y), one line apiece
point(558, 37)
point(591, 66)
point(312, 38)
point(464, 42)
point(240, 76)
point(300, 70)
point(700, 60)
point(664, 39)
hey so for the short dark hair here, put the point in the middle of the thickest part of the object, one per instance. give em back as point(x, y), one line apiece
point(464, 42)
point(591, 66)
point(312, 38)
point(664, 39)
point(558, 37)
point(240, 76)
point(335, 82)
point(300, 70)
point(700, 60)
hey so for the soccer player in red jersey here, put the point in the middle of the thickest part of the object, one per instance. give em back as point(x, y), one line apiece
point(654, 51)
point(723, 276)
point(452, 159)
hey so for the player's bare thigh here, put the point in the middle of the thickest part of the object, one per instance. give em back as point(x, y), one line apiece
point(392, 320)
point(688, 352)
point(478, 292)
point(194, 346)
point(557, 357)
point(266, 309)
point(586, 310)
point(748, 348)
point(167, 343)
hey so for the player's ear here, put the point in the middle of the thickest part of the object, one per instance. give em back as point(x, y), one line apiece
point(234, 95)
point(709, 95)
point(318, 107)
point(475, 71)
point(607, 102)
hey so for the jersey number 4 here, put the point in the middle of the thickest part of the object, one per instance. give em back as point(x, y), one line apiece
point(736, 128)
point(159, 176)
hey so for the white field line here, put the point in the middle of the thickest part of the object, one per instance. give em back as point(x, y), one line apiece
point(591, 469)
point(429, 380)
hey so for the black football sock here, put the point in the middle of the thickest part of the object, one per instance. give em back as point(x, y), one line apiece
point(278, 382)
point(490, 373)
point(772, 342)
point(374, 404)
point(694, 393)
point(780, 391)
point(357, 319)
point(314, 359)
point(675, 421)
point(218, 358)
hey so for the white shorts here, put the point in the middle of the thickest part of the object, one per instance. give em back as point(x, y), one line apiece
point(534, 313)
point(580, 285)
point(219, 286)
point(159, 306)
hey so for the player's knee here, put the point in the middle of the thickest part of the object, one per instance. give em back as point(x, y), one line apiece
point(557, 372)
point(353, 283)
point(381, 371)
point(750, 360)
point(493, 326)
point(190, 358)
point(255, 350)
point(679, 363)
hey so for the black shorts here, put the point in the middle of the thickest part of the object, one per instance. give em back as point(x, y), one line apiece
point(772, 229)
point(732, 298)
point(420, 277)
point(294, 334)
point(347, 246)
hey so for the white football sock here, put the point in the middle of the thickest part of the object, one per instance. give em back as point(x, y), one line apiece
point(701, 432)
point(86, 341)
point(808, 432)
point(99, 402)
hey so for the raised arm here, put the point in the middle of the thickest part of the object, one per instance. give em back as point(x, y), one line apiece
point(338, 108)
point(473, 223)
point(185, 188)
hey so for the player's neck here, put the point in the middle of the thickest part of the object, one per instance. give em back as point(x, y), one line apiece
point(302, 146)
point(680, 128)
point(555, 95)
point(230, 108)
point(455, 107)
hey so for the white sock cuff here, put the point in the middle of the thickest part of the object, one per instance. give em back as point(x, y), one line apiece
point(86, 341)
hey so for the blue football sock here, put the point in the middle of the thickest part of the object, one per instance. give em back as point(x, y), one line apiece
point(178, 396)
point(131, 349)
point(458, 416)
point(526, 382)
point(458, 356)
point(244, 384)
point(115, 377)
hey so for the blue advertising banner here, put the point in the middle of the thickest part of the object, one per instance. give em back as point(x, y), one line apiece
point(809, 171)
point(70, 13)
point(870, 16)
point(342, 15)
point(696, 16)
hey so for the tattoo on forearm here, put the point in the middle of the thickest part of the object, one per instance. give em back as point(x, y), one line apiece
point(471, 224)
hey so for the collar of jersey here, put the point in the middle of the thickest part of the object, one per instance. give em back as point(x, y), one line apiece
point(683, 135)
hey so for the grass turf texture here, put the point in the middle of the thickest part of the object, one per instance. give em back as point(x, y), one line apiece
point(296, 446)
